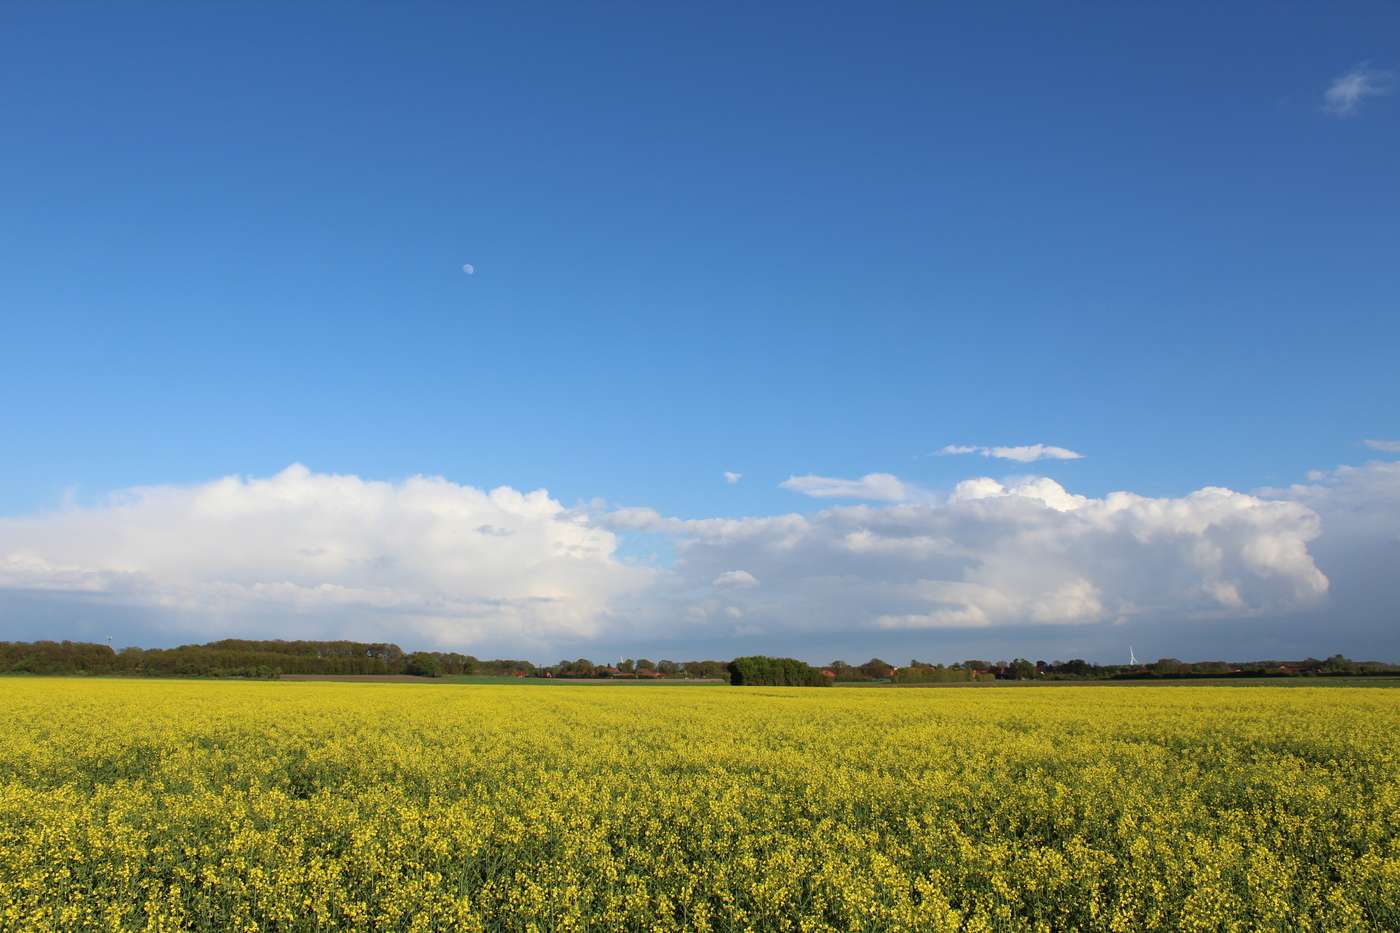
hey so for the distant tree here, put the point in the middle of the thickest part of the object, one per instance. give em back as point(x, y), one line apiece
point(707, 669)
point(758, 670)
point(876, 669)
point(1339, 664)
point(846, 673)
point(507, 667)
point(627, 666)
point(931, 674)
point(1021, 669)
point(53, 657)
point(422, 664)
point(582, 667)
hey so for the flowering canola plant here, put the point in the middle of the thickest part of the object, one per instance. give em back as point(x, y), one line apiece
point(165, 805)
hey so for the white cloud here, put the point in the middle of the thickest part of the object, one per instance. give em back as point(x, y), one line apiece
point(731, 478)
point(1027, 453)
point(1390, 447)
point(736, 578)
point(1358, 504)
point(1037, 488)
point(880, 487)
point(1345, 94)
point(1028, 553)
point(1359, 548)
point(424, 560)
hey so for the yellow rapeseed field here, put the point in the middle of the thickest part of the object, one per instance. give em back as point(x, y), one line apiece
point(166, 805)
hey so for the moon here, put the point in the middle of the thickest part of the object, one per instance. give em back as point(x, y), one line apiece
point(469, 269)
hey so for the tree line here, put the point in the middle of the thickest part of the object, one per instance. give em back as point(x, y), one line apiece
point(234, 657)
point(1078, 669)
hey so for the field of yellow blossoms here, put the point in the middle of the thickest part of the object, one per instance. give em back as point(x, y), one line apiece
point(167, 805)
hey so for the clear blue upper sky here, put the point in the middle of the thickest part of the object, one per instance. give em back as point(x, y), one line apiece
point(779, 240)
point(772, 239)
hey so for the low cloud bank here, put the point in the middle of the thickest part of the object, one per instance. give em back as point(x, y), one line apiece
point(991, 555)
point(422, 561)
point(427, 562)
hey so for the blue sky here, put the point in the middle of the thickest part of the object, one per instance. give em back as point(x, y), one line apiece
point(790, 241)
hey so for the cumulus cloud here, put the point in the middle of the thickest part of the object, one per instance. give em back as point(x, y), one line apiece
point(423, 560)
point(429, 562)
point(1359, 548)
point(1028, 553)
point(1027, 453)
point(1390, 447)
point(1360, 509)
point(879, 487)
point(731, 478)
point(1036, 488)
point(1345, 94)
